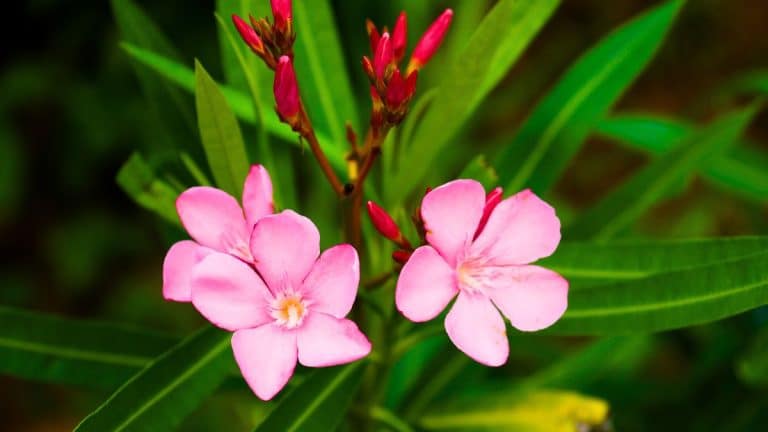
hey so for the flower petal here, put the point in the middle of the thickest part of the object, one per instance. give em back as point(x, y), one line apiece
point(426, 285)
point(521, 229)
point(285, 247)
point(477, 328)
point(327, 341)
point(451, 214)
point(266, 356)
point(257, 195)
point(213, 218)
point(229, 293)
point(177, 269)
point(332, 283)
point(532, 297)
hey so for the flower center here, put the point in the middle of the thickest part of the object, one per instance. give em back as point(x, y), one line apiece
point(289, 309)
point(475, 276)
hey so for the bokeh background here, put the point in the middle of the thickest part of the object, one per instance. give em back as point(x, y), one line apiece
point(72, 243)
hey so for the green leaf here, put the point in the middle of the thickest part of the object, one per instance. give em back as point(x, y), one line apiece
point(319, 403)
point(754, 82)
point(540, 411)
point(139, 182)
point(480, 170)
point(627, 260)
point(168, 389)
point(556, 129)
point(240, 103)
point(93, 354)
point(629, 201)
point(742, 170)
point(322, 71)
point(752, 366)
point(220, 134)
point(487, 57)
point(665, 301)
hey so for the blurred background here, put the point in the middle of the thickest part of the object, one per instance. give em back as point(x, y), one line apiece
point(72, 243)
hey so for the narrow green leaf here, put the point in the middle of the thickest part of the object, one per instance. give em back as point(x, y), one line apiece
point(480, 170)
point(539, 411)
point(139, 182)
point(754, 82)
point(742, 170)
point(93, 354)
point(194, 170)
point(322, 71)
point(168, 389)
point(492, 50)
point(665, 301)
point(319, 403)
point(220, 134)
point(752, 365)
point(240, 103)
point(626, 260)
point(628, 202)
point(556, 129)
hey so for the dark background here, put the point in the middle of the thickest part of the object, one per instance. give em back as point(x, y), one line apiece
point(71, 112)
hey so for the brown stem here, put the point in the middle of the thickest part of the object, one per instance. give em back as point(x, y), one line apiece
point(309, 134)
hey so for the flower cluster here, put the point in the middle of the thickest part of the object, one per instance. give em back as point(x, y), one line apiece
point(261, 276)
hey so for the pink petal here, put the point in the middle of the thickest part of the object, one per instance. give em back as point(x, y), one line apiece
point(521, 229)
point(285, 247)
point(451, 214)
point(332, 283)
point(426, 285)
point(257, 195)
point(213, 218)
point(477, 328)
point(177, 269)
point(266, 356)
point(229, 293)
point(327, 341)
point(532, 297)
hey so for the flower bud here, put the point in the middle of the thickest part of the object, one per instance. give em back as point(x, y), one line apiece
point(383, 222)
point(401, 256)
point(399, 90)
point(400, 37)
point(383, 56)
point(248, 34)
point(373, 35)
point(491, 201)
point(430, 41)
point(287, 91)
point(282, 10)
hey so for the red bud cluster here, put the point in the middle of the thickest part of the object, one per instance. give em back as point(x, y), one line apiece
point(391, 89)
point(270, 41)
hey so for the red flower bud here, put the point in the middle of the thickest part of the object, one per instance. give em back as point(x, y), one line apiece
point(286, 90)
point(368, 68)
point(383, 57)
point(282, 10)
point(383, 222)
point(401, 256)
point(400, 37)
point(430, 41)
point(373, 35)
point(399, 90)
point(248, 34)
point(491, 201)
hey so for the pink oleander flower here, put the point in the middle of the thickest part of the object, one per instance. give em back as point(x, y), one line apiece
point(430, 41)
point(486, 268)
point(216, 223)
point(286, 90)
point(290, 305)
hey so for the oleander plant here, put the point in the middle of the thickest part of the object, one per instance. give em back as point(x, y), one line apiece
point(416, 228)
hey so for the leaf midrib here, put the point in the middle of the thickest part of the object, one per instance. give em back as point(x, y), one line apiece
point(116, 359)
point(320, 398)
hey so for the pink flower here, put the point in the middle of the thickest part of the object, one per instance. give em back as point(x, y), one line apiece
point(484, 270)
point(217, 223)
point(286, 90)
point(430, 41)
point(289, 306)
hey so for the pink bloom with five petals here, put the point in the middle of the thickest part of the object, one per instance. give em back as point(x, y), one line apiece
point(288, 307)
point(217, 223)
point(486, 268)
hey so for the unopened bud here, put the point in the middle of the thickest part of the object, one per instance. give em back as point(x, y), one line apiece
point(248, 34)
point(383, 222)
point(282, 10)
point(400, 37)
point(373, 35)
point(399, 90)
point(287, 91)
point(401, 256)
point(430, 41)
point(383, 57)
point(491, 201)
